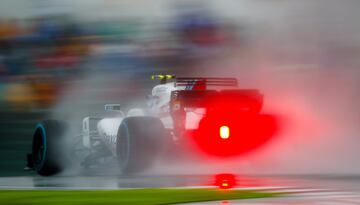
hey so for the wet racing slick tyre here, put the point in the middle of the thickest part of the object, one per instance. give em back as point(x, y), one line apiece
point(139, 141)
point(48, 152)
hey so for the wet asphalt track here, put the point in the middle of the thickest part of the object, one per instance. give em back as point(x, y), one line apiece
point(313, 190)
point(333, 182)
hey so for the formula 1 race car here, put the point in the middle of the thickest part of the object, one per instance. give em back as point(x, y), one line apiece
point(213, 114)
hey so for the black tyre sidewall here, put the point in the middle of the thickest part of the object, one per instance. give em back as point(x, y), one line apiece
point(144, 136)
point(50, 133)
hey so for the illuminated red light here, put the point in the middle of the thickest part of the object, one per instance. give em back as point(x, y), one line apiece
point(248, 132)
point(224, 132)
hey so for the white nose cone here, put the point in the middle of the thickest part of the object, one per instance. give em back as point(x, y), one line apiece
point(224, 132)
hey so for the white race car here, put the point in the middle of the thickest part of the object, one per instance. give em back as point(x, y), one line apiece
point(211, 114)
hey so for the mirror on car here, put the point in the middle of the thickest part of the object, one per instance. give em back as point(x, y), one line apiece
point(112, 107)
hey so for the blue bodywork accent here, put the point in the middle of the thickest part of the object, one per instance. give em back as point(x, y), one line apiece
point(43, 130)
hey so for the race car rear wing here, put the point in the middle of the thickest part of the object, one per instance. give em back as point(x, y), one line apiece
point(194, 82)
point(203, 82)
point(249, 99)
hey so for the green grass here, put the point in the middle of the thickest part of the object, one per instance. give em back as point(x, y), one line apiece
point(128, 197)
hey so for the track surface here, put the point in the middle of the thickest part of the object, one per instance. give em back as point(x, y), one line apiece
point(313, 190)
point(347, 183)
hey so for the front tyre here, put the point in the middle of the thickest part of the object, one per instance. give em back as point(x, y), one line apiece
point(47, 151)
point(139, 141)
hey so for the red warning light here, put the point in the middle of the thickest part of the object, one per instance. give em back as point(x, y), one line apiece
point(232, 134)
point(224, 132)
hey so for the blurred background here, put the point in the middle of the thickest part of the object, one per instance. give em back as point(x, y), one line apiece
point(65, 59)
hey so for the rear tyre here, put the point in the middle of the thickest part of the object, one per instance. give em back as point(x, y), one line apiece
point(139, 141)
point(48, 152)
